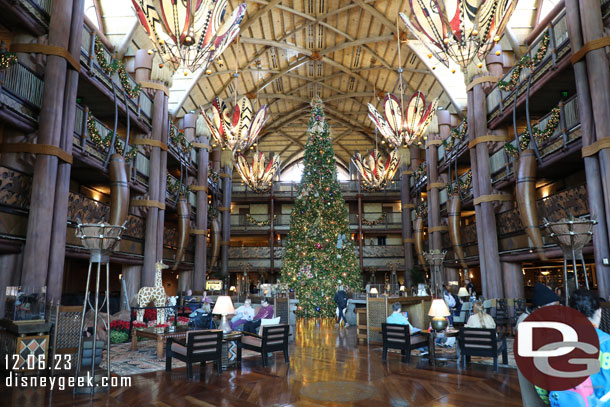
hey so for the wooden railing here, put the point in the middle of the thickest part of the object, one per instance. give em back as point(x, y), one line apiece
point(289, 190)
point(24, 84)
point(498, 100)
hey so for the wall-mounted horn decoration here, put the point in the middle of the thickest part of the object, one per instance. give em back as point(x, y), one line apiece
point(418, 234)
point(454, 217)
point(119, 190)
point(526, 199)
point(215, 242)
point(184, 228)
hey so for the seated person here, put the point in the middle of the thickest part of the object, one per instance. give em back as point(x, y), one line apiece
point(202, 317)
point(400, 318)
point(265, 312)
point(243, 314)
point(189, 301)
point(480, 318)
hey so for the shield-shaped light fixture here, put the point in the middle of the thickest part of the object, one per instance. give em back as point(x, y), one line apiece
point(375, 172)
point(257, 174)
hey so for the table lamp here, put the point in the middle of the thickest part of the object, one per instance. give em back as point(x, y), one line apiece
point(438, 312)
point(374, 291)
point(224, 307)
point(463, 292)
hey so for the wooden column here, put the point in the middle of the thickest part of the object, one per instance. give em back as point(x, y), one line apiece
point(227, 185)
point(200, 271)
point(271, 231)
point(434, 206)
point(451, 274)
point(491, 276)
point(8, 263)
point(513, 280)
point(39, 232)
point(593, 167)
point(143, 64)
point(62, 187)
point(407, 228)
point(163, 178)
point(131, 275)
point(360, 234)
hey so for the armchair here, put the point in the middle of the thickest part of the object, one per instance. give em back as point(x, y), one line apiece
point(273, 338)
point(199, 347)
point(482, 342)
point(397, 336)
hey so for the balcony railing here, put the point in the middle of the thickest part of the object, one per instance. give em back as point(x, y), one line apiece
point(256, 222)
point(559, 46)
point(22, 87)
point(282, 189)
point(142, 105)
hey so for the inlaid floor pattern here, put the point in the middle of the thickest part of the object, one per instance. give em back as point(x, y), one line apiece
point(322, 360)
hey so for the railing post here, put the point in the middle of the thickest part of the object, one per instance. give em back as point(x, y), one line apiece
point(562, 123)
point(552, 43)
point(91, 49)
point(85, 131)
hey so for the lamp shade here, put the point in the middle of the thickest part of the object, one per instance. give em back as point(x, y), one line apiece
point(373, 291)
point(223, 306)
point(402, 288)
point(463, 292)
point(439, 309)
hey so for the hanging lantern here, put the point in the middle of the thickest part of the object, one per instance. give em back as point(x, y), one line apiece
point(238, 131)
point(258, 175)
point(189, 33)
point(376, 172)
point(459, 29)
point(400, 128)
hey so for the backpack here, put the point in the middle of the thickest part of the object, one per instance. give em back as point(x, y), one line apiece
point(580, 396)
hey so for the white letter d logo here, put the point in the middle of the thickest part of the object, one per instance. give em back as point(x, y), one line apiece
point(526, 336)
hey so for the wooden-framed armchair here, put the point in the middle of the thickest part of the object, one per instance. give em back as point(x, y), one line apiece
point(273, 338)
point(397, 336)
point(199, 347)
point(482, 342)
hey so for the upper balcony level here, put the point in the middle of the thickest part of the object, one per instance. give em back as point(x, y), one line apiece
point(30, 15)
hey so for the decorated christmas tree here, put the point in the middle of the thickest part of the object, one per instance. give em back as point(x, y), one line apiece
point(319, 253)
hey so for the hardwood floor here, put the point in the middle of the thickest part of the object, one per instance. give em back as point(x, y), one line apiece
point(320, 353)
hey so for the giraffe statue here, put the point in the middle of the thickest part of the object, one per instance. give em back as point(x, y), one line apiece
point(155, 294)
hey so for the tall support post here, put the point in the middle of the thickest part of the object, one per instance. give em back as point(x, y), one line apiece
point(478, 128)
point(434, 186)
point(163, 178)
point(62, 187)
point(39, 232)
point(203, 147)
point(360, 234)
point(595, 168)
point(407, 228)
point(143, 65)
point(271, 231)
point(513, 280)
point(226, 175)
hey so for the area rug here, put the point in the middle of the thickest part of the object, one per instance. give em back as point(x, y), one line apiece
point(338, 392)
point(451, 352)
point(125, 362)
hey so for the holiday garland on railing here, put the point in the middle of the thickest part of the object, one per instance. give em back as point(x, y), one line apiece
point(213, 174)
point(526, 62)
point(421, 209)
point(253, 221)
point(420, 172)
point(540, 136)
point(178, 139)
point(173, 185)
point(104, 142)
point(7, 59)
point(457, 135)
point(373, 222)
point(115, 66)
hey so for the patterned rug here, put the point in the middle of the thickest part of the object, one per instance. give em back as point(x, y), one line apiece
point(125, 362)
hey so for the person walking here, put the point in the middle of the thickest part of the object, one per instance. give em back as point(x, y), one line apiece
point(341, 301)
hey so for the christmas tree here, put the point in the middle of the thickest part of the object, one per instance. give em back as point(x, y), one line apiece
point(319, 253)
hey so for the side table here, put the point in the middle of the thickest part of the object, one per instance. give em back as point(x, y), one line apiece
point(229, 349)
point(432, 337)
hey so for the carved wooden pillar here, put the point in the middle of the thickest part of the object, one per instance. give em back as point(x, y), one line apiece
point(596, 168)
point(163, 178)
point(225, 209)
point(200, 271)
point(39, 232)
point(143, 64)
point(513, 280)
point(434, 186)
point(271, 231)
point(407, 228)
point(62, 188)
point(360, 234)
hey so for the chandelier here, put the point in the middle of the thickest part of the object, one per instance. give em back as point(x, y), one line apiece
point(400, 128)
point(237, 131)
point(258, 175)
point(189, 33)
point(374, 172)
point(459, 29)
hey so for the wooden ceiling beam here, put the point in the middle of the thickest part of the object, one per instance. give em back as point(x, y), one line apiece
point(296, 64)
point(258, 14)
point(377, 15)
point(355, 43)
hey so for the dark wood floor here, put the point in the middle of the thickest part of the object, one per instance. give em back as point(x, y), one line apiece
point(320, 353)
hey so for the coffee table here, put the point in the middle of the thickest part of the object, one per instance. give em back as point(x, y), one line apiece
point(160, 337)
point(432, 336)
point(229, 348)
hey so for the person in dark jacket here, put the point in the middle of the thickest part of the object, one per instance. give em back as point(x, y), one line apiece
point(341, 301)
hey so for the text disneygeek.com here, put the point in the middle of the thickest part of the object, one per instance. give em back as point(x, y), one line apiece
point(61, 382)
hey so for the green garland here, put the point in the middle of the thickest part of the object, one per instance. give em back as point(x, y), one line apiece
point(457, 135)
point(179, 140)
point(373, 222)
point(213, 175)
point(540, 136)
point(7, 59)
point(253, 221)
point(525, 62)
point(115, 66)
point(173, 185)
point(420, 172)
point(421, 209)
point(104, 142)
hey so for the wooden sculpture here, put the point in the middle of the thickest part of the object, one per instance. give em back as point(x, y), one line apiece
point(155, 294)
point(119, 190)
point(184, 228)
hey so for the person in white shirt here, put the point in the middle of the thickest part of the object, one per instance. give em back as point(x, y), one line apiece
point(243, 314)
point(479, 318)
